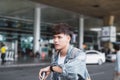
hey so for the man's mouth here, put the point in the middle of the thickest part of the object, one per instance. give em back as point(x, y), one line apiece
point(56, 44)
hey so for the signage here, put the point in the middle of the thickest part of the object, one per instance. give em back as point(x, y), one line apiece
point(108, 34)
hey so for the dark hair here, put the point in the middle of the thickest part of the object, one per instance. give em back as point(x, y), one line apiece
point(116, 47)
point(62, 28)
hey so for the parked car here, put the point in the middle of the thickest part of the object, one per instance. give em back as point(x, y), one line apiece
point(95, 57)
point(111, 57)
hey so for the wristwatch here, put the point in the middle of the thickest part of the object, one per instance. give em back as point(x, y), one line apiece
point(51, 68)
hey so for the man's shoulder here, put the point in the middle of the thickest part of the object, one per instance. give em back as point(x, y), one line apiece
point(77, 51)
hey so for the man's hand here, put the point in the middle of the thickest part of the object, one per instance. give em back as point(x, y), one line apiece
point(46, 70)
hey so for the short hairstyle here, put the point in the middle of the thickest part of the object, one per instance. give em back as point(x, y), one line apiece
point(116, 46)
point(62, 28)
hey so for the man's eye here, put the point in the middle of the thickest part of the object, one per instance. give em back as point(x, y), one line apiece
point(59, 37)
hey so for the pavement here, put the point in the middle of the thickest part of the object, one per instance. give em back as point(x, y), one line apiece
point(25, 62)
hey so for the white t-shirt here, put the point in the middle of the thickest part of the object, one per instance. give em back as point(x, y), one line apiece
point(61, 59)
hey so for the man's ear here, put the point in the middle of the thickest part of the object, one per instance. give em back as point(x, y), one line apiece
point(69, 38)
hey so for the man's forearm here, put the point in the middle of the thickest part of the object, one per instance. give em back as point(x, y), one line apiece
point(57, 69)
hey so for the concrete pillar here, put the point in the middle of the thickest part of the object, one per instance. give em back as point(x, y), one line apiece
point(37, 21)
point(16, 49)
point(98, 40)
point(81, 31)
point(109, 20)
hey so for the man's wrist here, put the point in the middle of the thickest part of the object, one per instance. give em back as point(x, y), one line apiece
point(51, 68)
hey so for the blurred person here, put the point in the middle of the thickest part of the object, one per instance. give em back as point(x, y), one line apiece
point(68, 62)
point(117, 62)
point(3, 52)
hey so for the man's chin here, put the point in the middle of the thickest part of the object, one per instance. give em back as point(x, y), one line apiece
point(57, 48)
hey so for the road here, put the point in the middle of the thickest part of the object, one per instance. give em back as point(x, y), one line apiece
point(102, 72)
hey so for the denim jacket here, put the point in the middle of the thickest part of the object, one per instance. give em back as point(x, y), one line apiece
point(73, 67)
point(117, 63)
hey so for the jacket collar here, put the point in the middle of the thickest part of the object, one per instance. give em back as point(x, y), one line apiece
point(68, 55)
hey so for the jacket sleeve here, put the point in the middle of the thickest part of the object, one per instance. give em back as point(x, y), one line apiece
point(74, 66)
point(87, 75)
point(118, 62)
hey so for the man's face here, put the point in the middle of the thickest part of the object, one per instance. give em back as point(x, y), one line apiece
point(61, 41)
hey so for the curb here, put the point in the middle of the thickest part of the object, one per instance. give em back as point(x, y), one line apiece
point(23, 65)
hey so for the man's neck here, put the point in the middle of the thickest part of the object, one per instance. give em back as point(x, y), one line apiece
point(63, 51)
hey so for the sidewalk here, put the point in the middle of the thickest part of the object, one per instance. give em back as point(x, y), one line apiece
point(25, 62)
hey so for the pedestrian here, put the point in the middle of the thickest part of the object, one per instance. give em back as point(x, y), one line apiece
point(117, 62)
point(68, 62)
point(3, 52)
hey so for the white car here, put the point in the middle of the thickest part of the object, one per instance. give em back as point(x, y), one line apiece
point(111, 57)
point(95, 57)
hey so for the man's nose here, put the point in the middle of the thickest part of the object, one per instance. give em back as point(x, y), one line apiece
point(55, 40)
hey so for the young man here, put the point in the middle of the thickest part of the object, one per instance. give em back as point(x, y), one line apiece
point(69, 62)
point(117, 62)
